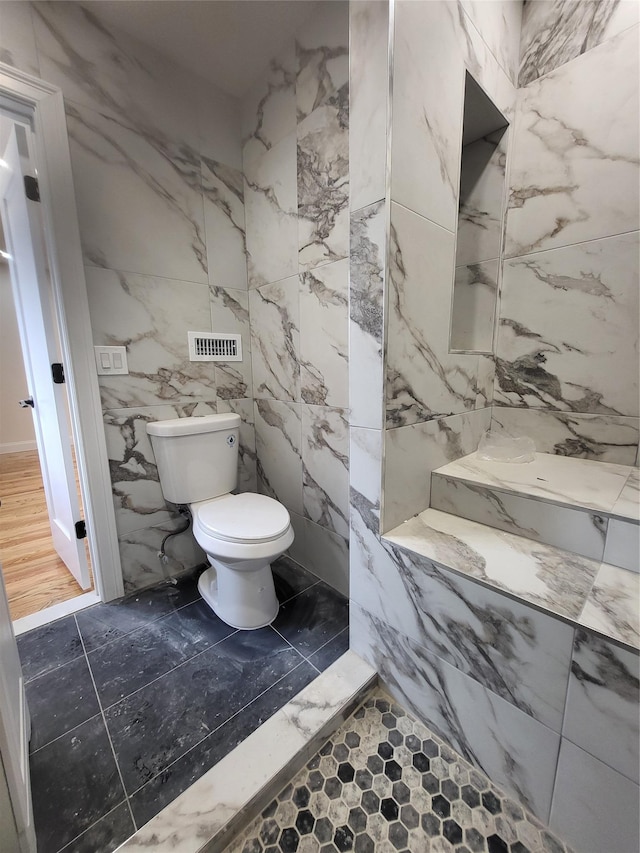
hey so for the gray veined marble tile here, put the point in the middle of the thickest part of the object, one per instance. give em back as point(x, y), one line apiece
point(368, 107)
point(323, 187)
point(325, 467)
point(603, 438)
point(219, 125)
point(247, 464)
point(563, 193)
point(230, 314)
point(269, 109)
point(368, 247)
point(628, 504)
point(322, 59)
point(514, 750)
point(126, 175)
point(554, 33)
point(612, 605)
point(553, 350)
point(150, 316)
point(322, 551)
point(365, 464)
point(223, 197)
point(17, 38)
point(278, 447)
point(271, 218)
point(324, 332)
point(601, 715)
point(474, 307)
point(499, 25)
point(275, 340)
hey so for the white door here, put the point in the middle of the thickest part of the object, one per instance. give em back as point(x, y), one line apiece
point(39, 339)
point(16, 826)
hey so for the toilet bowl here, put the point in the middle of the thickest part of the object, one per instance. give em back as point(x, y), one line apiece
point(241, 535)
point(197, 462)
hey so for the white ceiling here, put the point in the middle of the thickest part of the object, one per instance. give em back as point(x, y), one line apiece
point(229, 42)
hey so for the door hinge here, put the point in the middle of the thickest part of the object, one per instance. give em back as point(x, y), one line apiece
point(81, 530)
point(31, 188)
point(57, 371)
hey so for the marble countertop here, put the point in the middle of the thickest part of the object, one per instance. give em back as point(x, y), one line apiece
point(601, 486)
point(576, 589)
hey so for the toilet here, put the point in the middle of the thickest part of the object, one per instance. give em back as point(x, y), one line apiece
point(241, 534)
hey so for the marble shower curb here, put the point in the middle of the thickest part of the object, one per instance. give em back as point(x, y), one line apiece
point(207, 815)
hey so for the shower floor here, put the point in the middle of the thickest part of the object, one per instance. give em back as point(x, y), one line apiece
point(132, 701)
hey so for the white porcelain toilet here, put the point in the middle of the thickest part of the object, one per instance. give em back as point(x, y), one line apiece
point(197, 461)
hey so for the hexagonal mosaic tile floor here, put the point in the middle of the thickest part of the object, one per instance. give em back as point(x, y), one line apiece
point(385, 783)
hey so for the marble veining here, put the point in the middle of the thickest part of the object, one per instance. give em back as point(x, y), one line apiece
point(325, 467)
point(628, 504)
point(612, 605)
point(223, 196)
point(278, 428)
point(556, 32)
point(275, 340)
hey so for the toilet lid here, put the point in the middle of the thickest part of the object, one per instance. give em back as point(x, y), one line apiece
point(245, 517)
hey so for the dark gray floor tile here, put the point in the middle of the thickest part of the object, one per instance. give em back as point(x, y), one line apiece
point(131, 662)
point(46, 648)
point(331, 651)
point(290, 578)
point(107, 834)
point(105, 622)
point(74, 782)
point(155, 726)
point(60, 701)
point(312, 618)
point(169, 784)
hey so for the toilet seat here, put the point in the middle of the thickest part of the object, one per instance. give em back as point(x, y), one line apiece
point(244, 518)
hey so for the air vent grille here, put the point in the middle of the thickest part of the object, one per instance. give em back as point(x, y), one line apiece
point(214, 346)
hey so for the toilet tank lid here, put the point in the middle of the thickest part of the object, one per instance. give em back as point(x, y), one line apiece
point(194, 425)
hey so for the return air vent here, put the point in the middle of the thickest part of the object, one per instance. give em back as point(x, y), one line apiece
point(214, 346)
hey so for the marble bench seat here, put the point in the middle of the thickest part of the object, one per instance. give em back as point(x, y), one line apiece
point(590, 508)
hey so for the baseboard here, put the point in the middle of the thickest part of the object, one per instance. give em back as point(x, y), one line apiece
point(17, 446)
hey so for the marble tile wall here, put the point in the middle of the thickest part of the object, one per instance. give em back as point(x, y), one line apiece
point(296, 191)
point(157, 166)
point(567, 347)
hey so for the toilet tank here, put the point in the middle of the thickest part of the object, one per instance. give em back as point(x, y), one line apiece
point(197, 458)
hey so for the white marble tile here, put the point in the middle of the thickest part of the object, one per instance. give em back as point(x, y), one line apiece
point(557, 581)
point(322, 58)
point(271, 219)
point(628, 504)
point(563, 192)
point(603, 438)
point(474, 307)
point(325, 467)
point(499, 25)
point(141, 566)
point(602, 703)
point(275, 340)
point(17, 38)
point(365, 468)
point(423, 379)
point(219, 120)
point(150, 316)
point(368, 247)
point(554, 350)
point(613, 604)
point(322, 552)
point(413, 452)
point(558, 479)
point(230, 314)
point(514, 750)
point(324, 335)
point(594, 808)
point(581, 532)
point(323, 186)
point(482, 199)
point(247, 462)
point(223, 199)
point(138, 195)
point(269, 108)
point(213, 809)
point(622, 547)
point(485, 381)
point(556, 32)
point(278, 447)
point(368, 101)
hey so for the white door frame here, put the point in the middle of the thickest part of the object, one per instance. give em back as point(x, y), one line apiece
point(43, 103)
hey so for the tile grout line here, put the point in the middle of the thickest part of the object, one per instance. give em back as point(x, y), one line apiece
point(111, 811)
point(106, 728)
point(296, 650)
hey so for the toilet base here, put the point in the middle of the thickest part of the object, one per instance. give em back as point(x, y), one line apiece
point(243, 600)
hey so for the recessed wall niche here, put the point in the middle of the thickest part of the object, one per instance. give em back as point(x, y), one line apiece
point(480, 216)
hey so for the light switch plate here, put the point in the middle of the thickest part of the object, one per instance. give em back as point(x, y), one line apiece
point(111, 361)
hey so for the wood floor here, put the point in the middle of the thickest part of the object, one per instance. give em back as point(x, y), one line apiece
point(34, 575)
